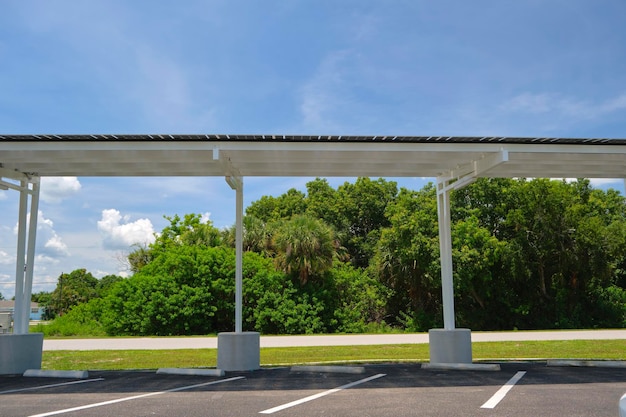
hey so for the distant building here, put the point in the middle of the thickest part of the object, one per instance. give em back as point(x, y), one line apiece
point(8, 306)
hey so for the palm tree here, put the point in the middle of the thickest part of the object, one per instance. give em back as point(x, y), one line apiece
point(257, 236)
point(305, 246)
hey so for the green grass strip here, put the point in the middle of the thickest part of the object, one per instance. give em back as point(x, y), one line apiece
point(195, 358)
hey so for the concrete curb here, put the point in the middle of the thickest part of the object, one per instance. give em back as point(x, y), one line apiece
point(586, 363)
point(461, 366)
point(38, 373)
point(330, 369)
point(191, 371)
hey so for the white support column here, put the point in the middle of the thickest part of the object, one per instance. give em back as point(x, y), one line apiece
point(30, 256)
point(239, 258)
point(236, 183)
point(238, 350)
point(18, 327)
point(445, 248)
point(447, 345)
point(450, 344)
point(22, 350)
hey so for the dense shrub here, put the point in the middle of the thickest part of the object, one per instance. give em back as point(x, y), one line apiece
point(81, 320)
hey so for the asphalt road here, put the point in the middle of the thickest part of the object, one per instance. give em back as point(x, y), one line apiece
point(519, 389)
point(319, 340)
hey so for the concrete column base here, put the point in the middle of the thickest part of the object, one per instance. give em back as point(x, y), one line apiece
point(450, 346)
point(19, 352)
point(238, 351)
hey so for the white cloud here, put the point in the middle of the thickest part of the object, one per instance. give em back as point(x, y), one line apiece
point(550, 103)
point(53, 245)
point(119, 233)
point(42, 262)
point(7, 285)
point(205, 217)
point(42, 222)
point(6, 259)
point(602, 182)
point(321, 96)
point(56, 189)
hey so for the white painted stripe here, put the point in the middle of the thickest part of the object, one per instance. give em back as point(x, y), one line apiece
point(119, 400)
point(51, 385)
point(498, 396)
point(321, 394)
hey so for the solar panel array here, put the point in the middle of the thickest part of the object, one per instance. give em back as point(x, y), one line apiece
point(314, 138)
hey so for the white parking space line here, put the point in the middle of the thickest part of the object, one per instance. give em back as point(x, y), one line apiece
point(135, 397)
point(498, 396)
point(319, 395)
point(51, 385)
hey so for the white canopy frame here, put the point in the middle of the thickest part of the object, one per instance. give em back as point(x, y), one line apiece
point(25, 262)
point(454, 161)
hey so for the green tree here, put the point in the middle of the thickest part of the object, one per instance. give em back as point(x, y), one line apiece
point(561, 253)
point(407, 259)
point(355, 211)
point(269, 208)
point(44, 298)
point(190, 230)
point(178, 293)
point(190, 290)
point(41, 297)
point(257, 235)
point(362, 207)
point(481, 293)
point(305, 247)
point(77, 287)
point(105, 284)
point(139, 257)
point(322, 202)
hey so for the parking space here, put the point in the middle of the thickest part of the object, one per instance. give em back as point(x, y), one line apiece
point(518, 389)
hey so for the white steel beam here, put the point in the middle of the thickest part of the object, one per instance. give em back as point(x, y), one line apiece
point(469, 172)
point(239, 256)
point(454, 180)
point(235, 181)
point(5, 185)
point(24, 265)
point(13, 174)
point(228, 168)
point(20, 262)
point(445, 249)
point(30, 256)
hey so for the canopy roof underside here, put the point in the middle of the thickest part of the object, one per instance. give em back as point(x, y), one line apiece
point(311, 156)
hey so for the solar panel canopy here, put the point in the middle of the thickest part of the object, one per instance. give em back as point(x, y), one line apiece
point(301, 155)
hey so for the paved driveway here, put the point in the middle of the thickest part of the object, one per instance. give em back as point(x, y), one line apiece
point(381, 390)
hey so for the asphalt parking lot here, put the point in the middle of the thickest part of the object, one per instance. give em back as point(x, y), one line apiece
point(518, 389)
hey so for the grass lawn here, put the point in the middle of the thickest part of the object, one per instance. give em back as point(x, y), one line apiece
point(189, 358)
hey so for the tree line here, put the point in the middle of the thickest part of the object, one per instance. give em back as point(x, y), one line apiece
point(527, 254)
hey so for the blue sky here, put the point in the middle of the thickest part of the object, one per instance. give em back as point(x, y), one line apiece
point(452, 67)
